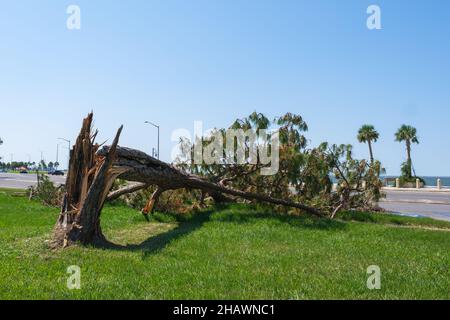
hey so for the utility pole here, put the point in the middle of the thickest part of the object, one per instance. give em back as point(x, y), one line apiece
point(68, 141)
point(157, 127)
point(57, 154)
point(42, 160)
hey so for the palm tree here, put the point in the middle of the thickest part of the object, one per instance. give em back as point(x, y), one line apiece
point(368, 134)
point(409, 135)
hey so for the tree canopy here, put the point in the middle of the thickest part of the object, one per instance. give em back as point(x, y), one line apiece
point(367, 133)
point(407, 133)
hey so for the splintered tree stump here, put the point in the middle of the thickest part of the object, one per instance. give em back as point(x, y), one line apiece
point(89, 180)
point(92, 172)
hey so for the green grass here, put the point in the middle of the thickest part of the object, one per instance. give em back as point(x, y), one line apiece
point(233, 252)
point(382, 218)
point(29, 172)
point(12, 191)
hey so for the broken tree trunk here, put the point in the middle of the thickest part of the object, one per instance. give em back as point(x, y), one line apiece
point(153, 201)
point(89, 180)
point(126, 190)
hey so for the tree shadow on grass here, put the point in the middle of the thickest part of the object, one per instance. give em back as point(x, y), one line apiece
point(300, 221)
point(155, 244)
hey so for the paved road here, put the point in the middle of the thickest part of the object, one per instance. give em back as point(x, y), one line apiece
point(23, 181)
point(418, 203)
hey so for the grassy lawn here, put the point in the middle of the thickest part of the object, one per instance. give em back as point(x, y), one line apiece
point(29, 172)
point(233, 252)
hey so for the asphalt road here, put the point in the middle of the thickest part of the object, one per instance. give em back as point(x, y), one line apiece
point(23, 181)
point(418, 203)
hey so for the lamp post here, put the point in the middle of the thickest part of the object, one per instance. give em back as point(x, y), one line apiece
point(57, 156)
point(68, 141)
point(157, 127)
point(42, 162)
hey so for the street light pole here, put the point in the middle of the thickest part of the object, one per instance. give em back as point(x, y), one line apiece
point(157, 127)
point(57, 155)
point(68, 141)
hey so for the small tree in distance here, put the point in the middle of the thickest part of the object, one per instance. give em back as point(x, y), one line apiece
point(368, 134)
point(408, 134)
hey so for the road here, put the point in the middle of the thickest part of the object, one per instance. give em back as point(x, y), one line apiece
point(23, 181)
point(435, 205)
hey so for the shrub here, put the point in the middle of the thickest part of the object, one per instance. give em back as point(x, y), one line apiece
point(46, 192)
point(406, 179)
point(171, 201)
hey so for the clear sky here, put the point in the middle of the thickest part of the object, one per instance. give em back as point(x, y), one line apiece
point(174, 62)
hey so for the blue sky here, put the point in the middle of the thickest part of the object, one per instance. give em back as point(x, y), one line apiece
point(174, 62)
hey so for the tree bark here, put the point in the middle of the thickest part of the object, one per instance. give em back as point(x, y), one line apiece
point(408, 154)
point(89, 179)
point(370, 151)
point(152, 202)
point(125, 190)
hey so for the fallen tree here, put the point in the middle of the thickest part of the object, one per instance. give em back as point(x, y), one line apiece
point(92, 171)
point(138, 166)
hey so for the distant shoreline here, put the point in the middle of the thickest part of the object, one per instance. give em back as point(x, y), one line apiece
point(430, 181)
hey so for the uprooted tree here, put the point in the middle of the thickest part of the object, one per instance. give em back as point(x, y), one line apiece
point(93, 169)
point(302, 181)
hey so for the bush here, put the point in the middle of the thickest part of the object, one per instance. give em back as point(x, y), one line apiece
point(172, 201)
point(410, 181)
point(46, 192)
point(406, 179)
